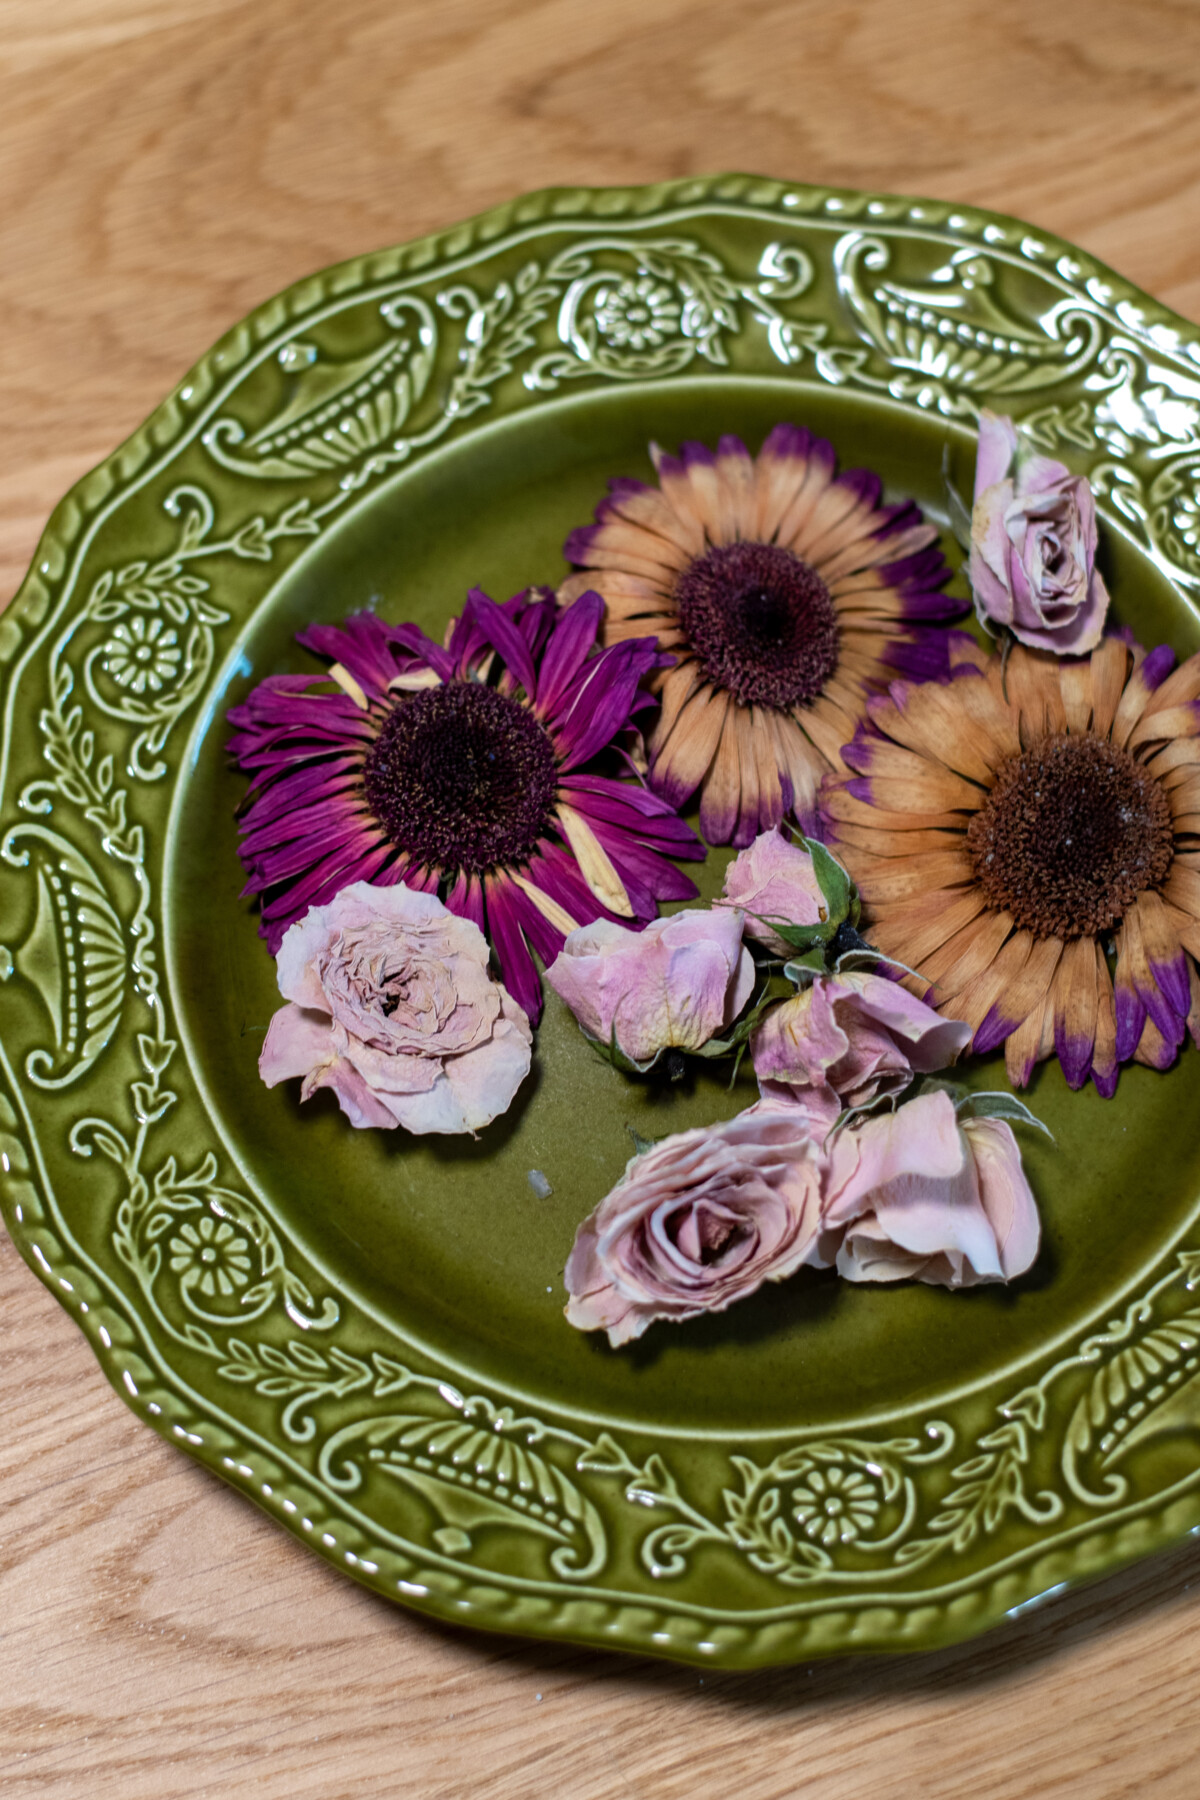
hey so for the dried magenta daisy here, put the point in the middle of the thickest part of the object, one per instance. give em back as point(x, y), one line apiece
point(472, 770)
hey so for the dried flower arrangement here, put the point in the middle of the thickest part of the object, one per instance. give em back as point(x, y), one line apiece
point(942, 849)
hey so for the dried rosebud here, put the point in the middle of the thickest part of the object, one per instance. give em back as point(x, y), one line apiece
point(774, 879)
point(922, 1195)
point(849, 1039)
point(697, 1222)
point(1033, 545)
point(674, 985)
point(391, 1005)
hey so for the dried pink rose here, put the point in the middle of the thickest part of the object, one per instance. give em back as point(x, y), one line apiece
point(923, 1196)
point(774, 879)
point(1033, 545)
point(847, 1039)
point(391, 1005)
point(699, 1221)
point(674, 985)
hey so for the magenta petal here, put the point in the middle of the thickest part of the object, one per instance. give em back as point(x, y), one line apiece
point(659, 878)
point(513, 961)
point(553, 869)
point(568, 650)
point(412, 638)
point(420, 880)
point(602, 701)
point(321, 885)
point(466, 899)
point(545, 938)
point(504, 636)
point(362, 644)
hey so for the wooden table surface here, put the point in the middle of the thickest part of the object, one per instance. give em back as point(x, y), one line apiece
point(164, 166)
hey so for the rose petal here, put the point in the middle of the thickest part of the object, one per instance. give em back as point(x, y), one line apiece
point(918, 1196)
point(1005, 1193)
point(363, 1108)
point(773, 879)
point(298, 1040)
point(855, 1035)
point(997, 449)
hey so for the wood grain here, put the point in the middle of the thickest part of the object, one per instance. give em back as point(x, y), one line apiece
point(164, 165)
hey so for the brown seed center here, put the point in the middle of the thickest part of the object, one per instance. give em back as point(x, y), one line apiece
point(462, 776)
point(1073, 831)
point(761, 621)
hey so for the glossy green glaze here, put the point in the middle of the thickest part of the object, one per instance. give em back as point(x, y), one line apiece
point(364, 1331)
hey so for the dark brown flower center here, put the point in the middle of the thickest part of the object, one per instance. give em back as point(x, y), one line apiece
point(463, 777)
point(1073, 831)
point(761, 622)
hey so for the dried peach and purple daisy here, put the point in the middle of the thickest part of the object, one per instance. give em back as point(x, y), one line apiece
point(784, 593)
point(1013, 831)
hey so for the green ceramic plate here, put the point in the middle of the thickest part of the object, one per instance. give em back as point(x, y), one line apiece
point(364, 1333)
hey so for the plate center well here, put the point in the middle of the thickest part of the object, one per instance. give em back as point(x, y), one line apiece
point(446, 1238)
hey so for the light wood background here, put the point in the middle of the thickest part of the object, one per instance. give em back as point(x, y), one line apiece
point(164, 166)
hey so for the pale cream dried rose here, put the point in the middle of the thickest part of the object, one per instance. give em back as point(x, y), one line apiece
point(1033, 545)
point(391, 1005)
point(697, 1222)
